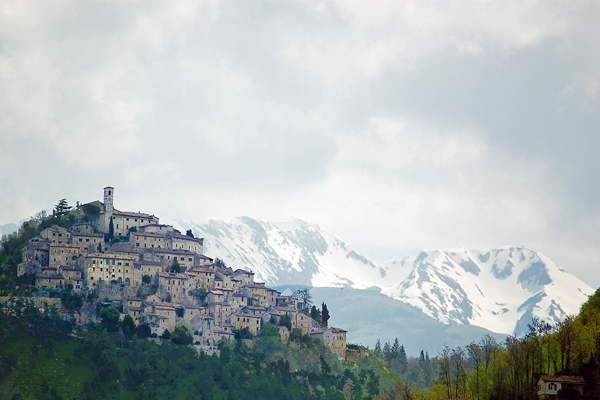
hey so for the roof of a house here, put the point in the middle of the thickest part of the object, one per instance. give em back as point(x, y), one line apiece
point(562, 378)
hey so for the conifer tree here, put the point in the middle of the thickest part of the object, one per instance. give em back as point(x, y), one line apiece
point(325, 315)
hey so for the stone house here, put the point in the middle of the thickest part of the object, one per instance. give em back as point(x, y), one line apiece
point(334, 338)
point(56, 234)
point(145, 240)
point(106, 268)
point(245, 277)
point(177, 241)
point(63, 254)
point(202, 323)
point(272, 295)
point(87, 242)
point(252, 322)
point(174, 284)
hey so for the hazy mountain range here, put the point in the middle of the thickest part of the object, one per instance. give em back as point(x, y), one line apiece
point(498, 289)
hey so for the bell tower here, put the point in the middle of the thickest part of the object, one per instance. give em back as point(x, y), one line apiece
point(109, 192)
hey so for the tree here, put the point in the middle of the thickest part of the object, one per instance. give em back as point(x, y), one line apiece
point(111, 231)
point(378, 349)
point(269, 329)
point(61, 209)
point(285, 320)
point(128, 326)
point(146, 279)
point(315, 314)
point(304, 297)
point(166, 335)
point(175, 267)
point(220, 263)
point(143, 330)
point(182, 335)
point(189, 233)
point(70, 301)
point(90, 210)
point(110, 319)
point(444, 370)
point(200, 294)
point(324, 314)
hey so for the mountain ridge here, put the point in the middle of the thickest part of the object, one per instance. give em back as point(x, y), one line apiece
point(500, 289)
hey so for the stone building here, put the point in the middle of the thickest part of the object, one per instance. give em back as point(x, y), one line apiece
point(334, 338)
point(106, 268)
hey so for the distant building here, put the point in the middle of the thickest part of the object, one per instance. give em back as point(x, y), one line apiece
point(549, 385)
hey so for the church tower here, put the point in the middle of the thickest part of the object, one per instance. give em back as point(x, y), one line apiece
point(109, 191)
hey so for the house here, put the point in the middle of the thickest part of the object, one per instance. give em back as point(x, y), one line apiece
point(177, 241)
point(174, 284)
point(252, 322)
point(202, 323)
point(63, 254)
point(334, 338)
point(100, 267)
point(549, 385)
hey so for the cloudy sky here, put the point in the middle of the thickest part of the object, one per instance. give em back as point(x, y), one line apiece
point(397, 125)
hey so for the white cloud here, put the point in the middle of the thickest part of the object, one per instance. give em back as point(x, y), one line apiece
point(396, 124)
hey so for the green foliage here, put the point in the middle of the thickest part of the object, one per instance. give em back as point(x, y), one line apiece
point(61, 209)
point(182, 335)
point(166, 335)
point(70, 300)
point(285, 320)
point(304, 297)
point(110, 319)
point(175, 267)
point(220, 263)
point(143, 331)
point(315, 314)
point(243, 333)
point(200, 294)
point(90, 210)
point(111, 231)
point(189, 233)
point(146, 279)
point(102, 365)
point(128, 326)
point(324, 315)
point(269, 329)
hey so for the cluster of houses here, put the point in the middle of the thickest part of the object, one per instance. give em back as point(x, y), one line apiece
point(185, 284)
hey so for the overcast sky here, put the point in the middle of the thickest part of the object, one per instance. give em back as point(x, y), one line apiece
point(396, 125)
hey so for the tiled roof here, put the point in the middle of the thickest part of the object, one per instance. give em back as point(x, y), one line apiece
point(562, 378)
point(172, 275)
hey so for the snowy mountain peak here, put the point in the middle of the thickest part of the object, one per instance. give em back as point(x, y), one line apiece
point(500, 289)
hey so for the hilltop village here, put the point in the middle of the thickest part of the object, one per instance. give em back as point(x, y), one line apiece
point(160, 277)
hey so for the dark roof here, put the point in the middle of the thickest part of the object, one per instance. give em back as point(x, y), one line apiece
point(563, 378)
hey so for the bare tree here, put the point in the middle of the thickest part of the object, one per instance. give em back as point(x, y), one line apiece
point(475, 360)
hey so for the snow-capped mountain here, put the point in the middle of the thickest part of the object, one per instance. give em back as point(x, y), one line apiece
point(498, 289)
